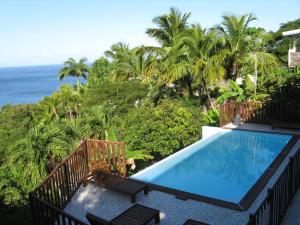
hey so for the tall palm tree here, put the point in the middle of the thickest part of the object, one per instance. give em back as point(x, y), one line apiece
point(205, 59)
point(128, 63)
point(167, 63)
point(234, 31)
point(118, 51)
point(69, 101)
point(74, 69)
point(31, 154)
point(50, 108)
point(194, 58)
point(121, 56)
point(169, 27)
point(257, 60)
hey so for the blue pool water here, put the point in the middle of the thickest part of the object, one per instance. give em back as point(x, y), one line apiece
point(223, 167)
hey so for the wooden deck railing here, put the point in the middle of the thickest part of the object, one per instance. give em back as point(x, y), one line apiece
point(47, 214)
point(273, 208)
point(227, 113)
point(112, 151)
point(48, 200)
point(260, 112)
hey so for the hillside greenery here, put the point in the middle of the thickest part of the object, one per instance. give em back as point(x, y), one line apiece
point(155, 98)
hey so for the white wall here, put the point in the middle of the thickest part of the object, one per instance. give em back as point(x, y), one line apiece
point(208, 131)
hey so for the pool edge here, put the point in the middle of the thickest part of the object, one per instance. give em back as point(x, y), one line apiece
point(249, 198)
point(261, 183)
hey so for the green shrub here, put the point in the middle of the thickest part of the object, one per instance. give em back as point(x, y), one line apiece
point(15, 121)
point(99, 71)
point(160, 131)
point(118, 95)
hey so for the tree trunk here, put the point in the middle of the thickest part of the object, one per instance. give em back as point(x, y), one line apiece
point(234, 71)
point(233, 68)
point(255, 65)
point(207, 93)
point(189, 85)
point(55, 112)
point(70, 113)
point(78, 85)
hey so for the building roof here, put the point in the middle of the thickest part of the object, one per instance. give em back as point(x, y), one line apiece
point(291, 33)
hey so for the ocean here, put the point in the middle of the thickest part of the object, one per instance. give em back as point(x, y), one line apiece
point(29, 84)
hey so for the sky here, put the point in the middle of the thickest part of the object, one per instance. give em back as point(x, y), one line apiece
point(41, 32)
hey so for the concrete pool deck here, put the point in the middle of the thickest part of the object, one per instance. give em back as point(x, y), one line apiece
point(260, 127)
point(108, 204)
point(292, 216)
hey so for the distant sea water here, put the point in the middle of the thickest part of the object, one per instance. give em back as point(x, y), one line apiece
point(29, 84)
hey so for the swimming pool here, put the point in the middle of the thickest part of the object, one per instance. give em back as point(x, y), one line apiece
point(224, 167)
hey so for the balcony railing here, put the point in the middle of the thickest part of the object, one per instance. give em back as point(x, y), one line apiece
point(273, 208)
point(48, 200)
point(259, 112)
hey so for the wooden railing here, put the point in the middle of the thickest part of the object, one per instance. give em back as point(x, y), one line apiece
point(62, 182)
point(47, 214)
point(260, 112)
point(112, 151)
point(273, 208)
point(227, 113)
point(48, 200)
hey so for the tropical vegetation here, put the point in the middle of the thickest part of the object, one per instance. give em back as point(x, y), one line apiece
point(156, 98)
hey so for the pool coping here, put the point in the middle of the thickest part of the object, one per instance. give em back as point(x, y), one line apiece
point(249, 197)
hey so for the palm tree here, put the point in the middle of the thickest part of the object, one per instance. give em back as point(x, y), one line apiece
point(49, 106)
point(74, 69)
point(203, 59)
point(70, 100)
point(260, 62)
point(121, 56)
point(245, 45)
point(128, 63)
point(234, 31)
point(169, 27)
point(167, 64)
point(30, 155)
point(118, 51)
point(257, 60)
point(208, 58)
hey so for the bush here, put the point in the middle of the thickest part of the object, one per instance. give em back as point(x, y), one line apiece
point(99, 71)
point(120, 96)
point(160, 131)
point(288, 90)
point(15, 121)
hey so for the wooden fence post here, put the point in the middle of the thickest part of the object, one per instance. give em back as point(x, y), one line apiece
point(271, 202)
point(291, 179)
point(252, 219)
point(66, 179)
point(86, 156)
point(124, 159)
point(32, 208)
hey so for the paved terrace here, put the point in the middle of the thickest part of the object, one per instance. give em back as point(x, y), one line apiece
point(108, 204)
point(292, 217)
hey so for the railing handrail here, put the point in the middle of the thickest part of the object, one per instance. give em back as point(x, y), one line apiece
point(57, 209)
point(294, 183)
point(265, 112)
point(59, 186)
point(105, 141)
point(59, 165)
point(83, 143)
